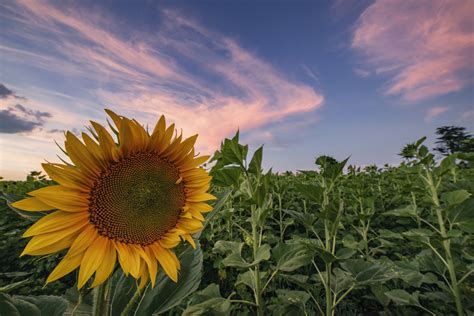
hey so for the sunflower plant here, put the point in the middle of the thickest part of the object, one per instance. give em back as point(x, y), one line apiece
point(123, 203)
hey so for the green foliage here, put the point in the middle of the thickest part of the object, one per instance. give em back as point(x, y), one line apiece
point(453, 139)
point(336, 240)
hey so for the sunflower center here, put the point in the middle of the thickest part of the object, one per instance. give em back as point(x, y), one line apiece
point(137, 200)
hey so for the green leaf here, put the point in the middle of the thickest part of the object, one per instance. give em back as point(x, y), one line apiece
point(124, 290)
point(305, 219)
point(379, 291)
point(228, 176)
point(462, 215)
point(367, 273)
point(313, 247)
point(255, 165)
point(14, 306)
point(167, 294)
point(290, 257)
point(9, 287)
point(291, 297)
point(455, 197)
point(402, 297)
point(49, 304)
point(249, 278)
point(311, 192)
point(407, 211)
point(208, 301)
point(32, 305)
point(262, 254)
point(216, 208)
point(408, 272)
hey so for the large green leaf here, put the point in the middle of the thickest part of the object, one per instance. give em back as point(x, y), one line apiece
point(208, 301)
point(32, 305)
point(216, 208)
point(311, 192)
point(166, 294)
point(455, 197)
point(255, 165)
point(407, 211)
point(367, 273)
point(402, 297)
point(462, 216)
point(227, 176)
point(290, 257)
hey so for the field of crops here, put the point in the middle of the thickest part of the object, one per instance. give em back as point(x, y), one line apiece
point(336, 240)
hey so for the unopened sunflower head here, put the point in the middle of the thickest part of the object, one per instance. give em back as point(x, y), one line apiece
point(132, 199)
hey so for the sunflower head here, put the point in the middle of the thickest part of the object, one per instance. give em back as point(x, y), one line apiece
point(130, 199)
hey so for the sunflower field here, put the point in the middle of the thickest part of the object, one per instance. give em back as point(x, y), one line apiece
point(336, 240)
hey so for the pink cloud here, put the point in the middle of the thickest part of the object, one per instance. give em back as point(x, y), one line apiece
point(426, 45)
point(434, 112)
point(148, 77)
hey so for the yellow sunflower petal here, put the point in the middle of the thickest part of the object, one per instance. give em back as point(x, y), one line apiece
point(126, 138)
point(183, 148)
point(164, 257)
point(93, 258)
point(196, 214)
point(32, 204)
point(66, 266)
point(165, 140)
point(143, 275)
point(190, 240)
point(200, 206)
point(170, 240)
point(190, 225)
point(83, 241)
point(107, 266)
point(96, 151)
point(106, 142)
point(80, 155)
point(128, 258)
point(196, 162)
point(66, 199)
point(117, 119)
point(68, 176)
point(149, 258)
point(45, 245)
point(158, 133)
point(56, 221)
point(201, 197)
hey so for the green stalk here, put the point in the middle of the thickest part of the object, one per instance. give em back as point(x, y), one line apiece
point(101, 299)
point(131, 303)
point(328, 290)
point(258, 292)
point(446, 245)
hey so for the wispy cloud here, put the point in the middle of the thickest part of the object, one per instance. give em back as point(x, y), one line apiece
point(426, 45)
point(434, 112)
point(16, 118)
point(198, 78)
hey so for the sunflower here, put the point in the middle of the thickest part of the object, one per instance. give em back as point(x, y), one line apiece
point(133, 200)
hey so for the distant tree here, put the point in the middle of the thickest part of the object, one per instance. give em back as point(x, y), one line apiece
point(453, 139)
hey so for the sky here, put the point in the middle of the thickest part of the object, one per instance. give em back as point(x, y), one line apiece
point(303, 78)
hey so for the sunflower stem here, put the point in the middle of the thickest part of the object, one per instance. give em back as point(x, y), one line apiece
point(131, 303)
point(101, 299)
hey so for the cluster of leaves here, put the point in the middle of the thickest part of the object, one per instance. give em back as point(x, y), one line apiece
point(337, 240)
point(377, 240)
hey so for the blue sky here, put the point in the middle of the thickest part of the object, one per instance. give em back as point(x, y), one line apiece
point(304, 78)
